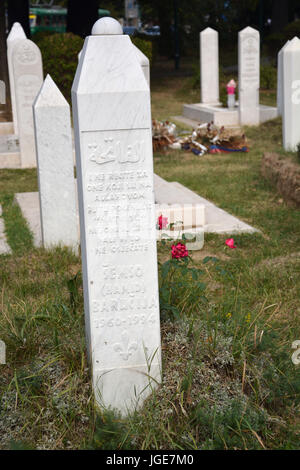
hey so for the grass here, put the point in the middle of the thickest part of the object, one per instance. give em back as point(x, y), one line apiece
point(228, 378)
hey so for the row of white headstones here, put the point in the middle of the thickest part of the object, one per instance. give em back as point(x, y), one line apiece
point(248, 72)
point(114, 169)
point(288, 80)
point(114, 165)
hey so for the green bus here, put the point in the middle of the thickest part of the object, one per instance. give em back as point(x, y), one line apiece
point(52, 19)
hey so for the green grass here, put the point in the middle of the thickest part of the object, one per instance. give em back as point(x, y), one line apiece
point(228, 378)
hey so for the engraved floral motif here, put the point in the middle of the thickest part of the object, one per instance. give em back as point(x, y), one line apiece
point(126, 347)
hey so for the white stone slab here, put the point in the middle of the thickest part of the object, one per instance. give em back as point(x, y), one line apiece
point(291, 95)
point(10, 160)
point(28, 76)
point(249, 76)
point(6, 128)
point(212, 218)
point(4, 246)
point(186, 215)
point(195, 113)
point(209, 66)
point(280, 79)
point(30, 207)
point(216, 220)
point(16, 33)
point(112, 124)
point(216, 114)
point(55, 167)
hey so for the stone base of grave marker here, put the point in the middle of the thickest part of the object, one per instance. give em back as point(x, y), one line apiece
point(223, 116)
point(9, 152)
point(167, 195)
point(6, 128)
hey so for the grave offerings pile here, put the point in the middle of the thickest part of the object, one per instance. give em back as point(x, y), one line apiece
point(205, 138)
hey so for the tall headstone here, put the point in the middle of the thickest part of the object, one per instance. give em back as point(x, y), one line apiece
point(249, 76)
point(143, 60)
point(112, 124)
point(144, 63)
point(28, 78)
point(16, 33)
point(280, 79)
point(291, 95)
point(209, 66)
point(55, 167)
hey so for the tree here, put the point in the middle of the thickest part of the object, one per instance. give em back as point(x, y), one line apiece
point(18, 11)
point(280, 15)
point(81, 16)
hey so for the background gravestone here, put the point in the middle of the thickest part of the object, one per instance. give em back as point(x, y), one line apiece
point(28, 77)
point(2, 352)
point(16, 33)
point(55, 167)
point(249, 50)
point(280, 79)
point(209, 66)
point(112, 123)
point(291, 95)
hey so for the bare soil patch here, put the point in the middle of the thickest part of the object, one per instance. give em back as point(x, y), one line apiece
point(284, 174)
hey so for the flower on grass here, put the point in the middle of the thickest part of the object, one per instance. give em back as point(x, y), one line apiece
point(179, 251)
point(248, 318)
point(230, 242)
point(162, 222)
point(228, 315)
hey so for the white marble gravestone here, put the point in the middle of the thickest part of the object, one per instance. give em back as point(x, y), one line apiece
point(2, 352)
point(16, 33)
point(55, 167)
point(144, 62)
point(209, 66)
point(280, 79)
point(291, 95)
point(112, 124)
point(249, 76)
point(28, 77)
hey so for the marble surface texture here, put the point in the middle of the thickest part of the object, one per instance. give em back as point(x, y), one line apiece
point(55, 167)
point(112, 124)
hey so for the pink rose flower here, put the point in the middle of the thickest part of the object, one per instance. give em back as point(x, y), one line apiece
point(162, 222)
point(179, 251)
point(230, 242)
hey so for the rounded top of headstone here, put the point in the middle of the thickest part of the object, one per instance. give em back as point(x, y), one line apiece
point(106, 26)
point(293, 44)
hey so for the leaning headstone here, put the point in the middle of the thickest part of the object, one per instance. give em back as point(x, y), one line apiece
point(291, 95)
point(28, 77)
point(55, 167)
point(209, 66)
point(249, 76)
point(112, 124)
point(16, 34)
point(280, 79)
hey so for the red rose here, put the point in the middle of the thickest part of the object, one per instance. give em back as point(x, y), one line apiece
point(179, 251)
